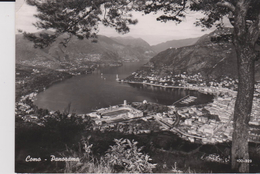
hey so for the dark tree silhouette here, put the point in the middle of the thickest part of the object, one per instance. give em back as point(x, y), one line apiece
point(81, 18)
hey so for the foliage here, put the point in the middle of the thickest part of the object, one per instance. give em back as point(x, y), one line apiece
point(127, 155)
point(79, 18)
point(122, 157)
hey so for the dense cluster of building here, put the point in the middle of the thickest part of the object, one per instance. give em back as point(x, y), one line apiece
point(182, 80)
point(24, 109)
point(166, 120)
point(36, 63)
point(202, 124)
point(214, 122)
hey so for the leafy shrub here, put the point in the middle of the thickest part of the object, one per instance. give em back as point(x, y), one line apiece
point(124, 157)
point(128, 156)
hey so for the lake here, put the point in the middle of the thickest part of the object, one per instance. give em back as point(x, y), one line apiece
point(100, 89)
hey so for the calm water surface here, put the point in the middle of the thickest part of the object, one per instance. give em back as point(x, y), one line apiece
point(100, 89)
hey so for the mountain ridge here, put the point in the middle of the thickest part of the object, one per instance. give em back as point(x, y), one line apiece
point(105, 51)
point(214, 60)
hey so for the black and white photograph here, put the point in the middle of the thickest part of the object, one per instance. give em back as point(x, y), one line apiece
point(137, 86)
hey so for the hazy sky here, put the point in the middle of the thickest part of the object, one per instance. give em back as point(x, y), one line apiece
point(147, 28)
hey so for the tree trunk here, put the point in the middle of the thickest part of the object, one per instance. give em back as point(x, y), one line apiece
point(243, 106)
point(245, 36)
point(244, 41)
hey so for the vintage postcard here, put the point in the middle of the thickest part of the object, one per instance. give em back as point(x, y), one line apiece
point(127, 86)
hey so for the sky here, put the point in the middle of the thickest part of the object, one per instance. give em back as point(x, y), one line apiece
point(147, 28)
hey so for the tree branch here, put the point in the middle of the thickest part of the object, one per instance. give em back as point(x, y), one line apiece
point(178, 13)
point(182, 9)
point(80, 19)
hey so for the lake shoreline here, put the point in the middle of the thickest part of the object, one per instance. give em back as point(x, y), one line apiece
point(205, 90)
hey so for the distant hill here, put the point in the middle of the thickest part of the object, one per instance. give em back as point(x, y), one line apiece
point(105, 51)
point(136, 47)
point(213, 60)
point(174, 44)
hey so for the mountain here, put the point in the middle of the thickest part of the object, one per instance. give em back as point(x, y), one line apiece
point(174, 44)
point(136, 47)
point(105, 51)
point(213, 60)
